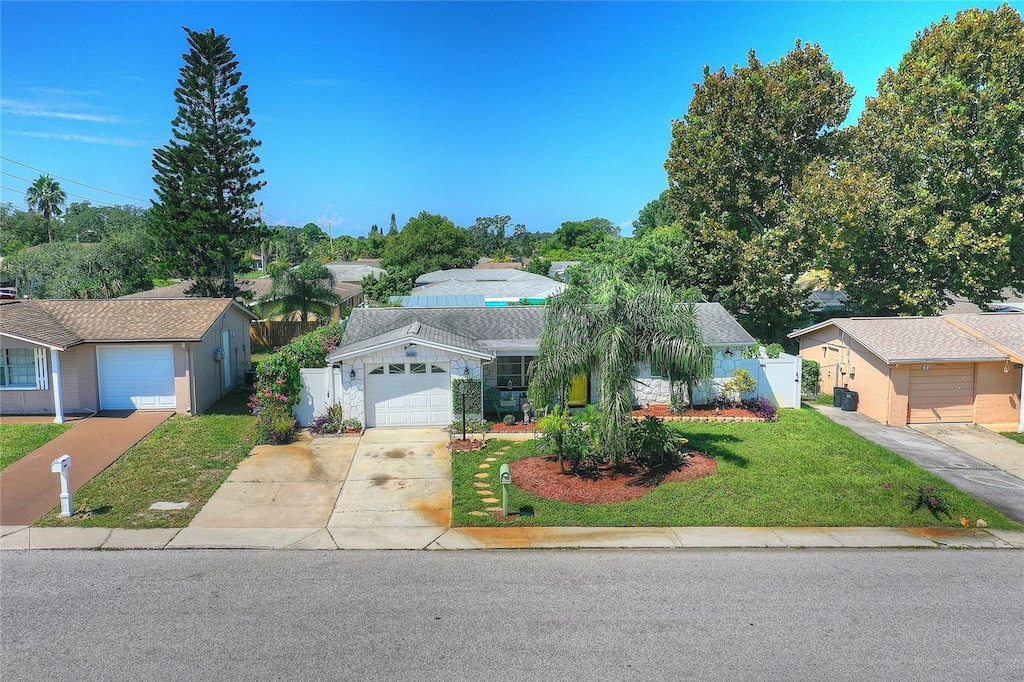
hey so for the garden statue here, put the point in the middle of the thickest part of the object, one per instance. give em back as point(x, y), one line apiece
point(527, 409)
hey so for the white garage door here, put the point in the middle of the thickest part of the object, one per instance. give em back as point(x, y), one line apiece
point(408, 394)
point(136, 377)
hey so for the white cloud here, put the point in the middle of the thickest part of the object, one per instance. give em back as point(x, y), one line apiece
point(90, 139)
point(15, 107)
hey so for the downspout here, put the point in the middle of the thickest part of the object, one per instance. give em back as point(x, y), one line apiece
point(1020, 406)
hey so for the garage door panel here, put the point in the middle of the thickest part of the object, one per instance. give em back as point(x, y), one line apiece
point(943, 393)
point(136, 377)
point(404, 398)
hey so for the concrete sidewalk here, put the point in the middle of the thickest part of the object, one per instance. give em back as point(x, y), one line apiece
point(29, 490)
point(26, 538)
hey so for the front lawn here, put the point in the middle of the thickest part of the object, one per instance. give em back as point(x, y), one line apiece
point(1013, 435)
point(184, 460)
point(17, 440)
point(804, 470)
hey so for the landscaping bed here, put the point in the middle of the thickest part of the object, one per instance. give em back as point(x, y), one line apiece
point(803, 470)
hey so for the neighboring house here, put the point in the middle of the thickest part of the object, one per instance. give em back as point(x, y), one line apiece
point(354, 271)
point(488, 264)
point(67, 357)
point(351, 295)
point(560, 269)
point(395, 366)
point(1009, 301)
point(919, 370)
point(499, 287)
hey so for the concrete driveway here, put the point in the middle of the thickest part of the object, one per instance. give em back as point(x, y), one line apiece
point(398, 492)
point(977, 441)
point(288, 491)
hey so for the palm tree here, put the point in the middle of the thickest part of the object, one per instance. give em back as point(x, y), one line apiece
point(301, 290)
point(46, 196)
point(609, 327)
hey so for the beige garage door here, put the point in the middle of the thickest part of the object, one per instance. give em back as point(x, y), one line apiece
point(942, 393)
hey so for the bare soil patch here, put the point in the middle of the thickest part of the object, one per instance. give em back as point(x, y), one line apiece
point(604, 484)
point(517, 427)
point(468, 445)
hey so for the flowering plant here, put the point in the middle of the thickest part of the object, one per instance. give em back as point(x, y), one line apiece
point(929, 497)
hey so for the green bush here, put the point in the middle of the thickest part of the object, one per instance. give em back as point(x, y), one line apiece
point(278, 385)
point(741, 383)
point(810, 377)
point(312, 349)
point(474, 397)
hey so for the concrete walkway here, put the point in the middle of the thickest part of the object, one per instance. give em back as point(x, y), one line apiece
point(29, 490)
point(963, 468)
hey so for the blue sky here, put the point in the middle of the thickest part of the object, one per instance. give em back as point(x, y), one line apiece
point(543, 111)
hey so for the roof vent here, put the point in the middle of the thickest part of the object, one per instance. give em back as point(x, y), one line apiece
point(414, 329)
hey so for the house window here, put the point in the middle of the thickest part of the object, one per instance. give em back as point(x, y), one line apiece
point(396, 369)
point(514, 368)
point(418, 368)
point(22, 368)
point(379, 369)
point(438, 369)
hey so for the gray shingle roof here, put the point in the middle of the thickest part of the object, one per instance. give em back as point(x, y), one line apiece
point(1005, 329)
point(912, 339)
point(504, 290)
point(260, 288)
point(28, 321)
point(351, 271)
point(719, 328)
point(495, 328)
point(120, 320)
point(477, 328)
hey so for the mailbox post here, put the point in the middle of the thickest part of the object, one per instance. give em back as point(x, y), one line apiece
point(62, 466)
point(505, 477)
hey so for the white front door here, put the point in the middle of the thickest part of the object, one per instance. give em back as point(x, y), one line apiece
point(136, 377)
point(408, 394)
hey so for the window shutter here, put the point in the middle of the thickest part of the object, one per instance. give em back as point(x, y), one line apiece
point(42, 378)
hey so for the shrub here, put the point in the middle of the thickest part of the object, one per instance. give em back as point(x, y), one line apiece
point(810, 377)
point(509, 420)
point(929, 497)
point(741, 383)
point(278, 384)
point(312, 349)
point(472, 426)
point(352, 425)
point(653, 442)
point(331, 421)
point(765, 409)
point(474, 397)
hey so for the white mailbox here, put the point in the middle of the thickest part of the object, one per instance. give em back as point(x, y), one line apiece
point(62, 466)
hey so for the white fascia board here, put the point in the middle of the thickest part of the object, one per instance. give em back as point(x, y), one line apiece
point(370, 350)
point(35, 342)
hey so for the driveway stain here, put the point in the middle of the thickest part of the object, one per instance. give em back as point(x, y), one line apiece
point(380, 480)
point(396, 454)
point(437, 510)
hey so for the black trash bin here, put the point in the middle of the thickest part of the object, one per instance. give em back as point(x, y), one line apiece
point(850, 399)
point(837, 396)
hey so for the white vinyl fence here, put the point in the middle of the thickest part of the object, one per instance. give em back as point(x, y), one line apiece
point(778, 379)
point(319, 391)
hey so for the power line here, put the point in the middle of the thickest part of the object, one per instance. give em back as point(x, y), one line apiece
point(75, 182)
point(70, 194)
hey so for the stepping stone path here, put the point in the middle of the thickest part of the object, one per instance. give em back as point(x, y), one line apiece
point(483, 475)
point(490, 500)
point(485, 493)
point(477, 513)
point(485, 465)
point(481, 484)
point(491, 459)
point(494, 509)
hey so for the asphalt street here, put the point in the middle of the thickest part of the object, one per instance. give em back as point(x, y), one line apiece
point(515, 615)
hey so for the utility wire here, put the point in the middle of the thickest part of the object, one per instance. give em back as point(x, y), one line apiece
point(70, 194)
point(76, 182)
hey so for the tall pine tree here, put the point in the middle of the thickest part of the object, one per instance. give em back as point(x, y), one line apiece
point(203, 217)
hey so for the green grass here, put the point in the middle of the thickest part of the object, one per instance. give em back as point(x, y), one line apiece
point(17, 440)
point(803, 470)
point(260, 353)
point(1013, 435)
point(184, 459)
point(821, 399)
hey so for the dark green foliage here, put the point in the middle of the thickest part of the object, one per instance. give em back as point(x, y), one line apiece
point(297, 292)
point(378, 290)
point(312, 349)
point(331, 420)
point(810, 377)
point(657, 213)
point(46, 197)
point(653, 443)
point(427, 243)
point(539, 266)
point(278, 386)
point(474, 398)
point(206, 176)
point(929, 497)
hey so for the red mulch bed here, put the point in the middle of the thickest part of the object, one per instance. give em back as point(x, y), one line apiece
point(467, 445)
point(605, 484)
point(501, 427)
point(665, 411)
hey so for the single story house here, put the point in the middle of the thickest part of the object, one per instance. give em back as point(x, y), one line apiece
point(395, 366)
point(499, 287)
point(920, 370)
point(81, 356)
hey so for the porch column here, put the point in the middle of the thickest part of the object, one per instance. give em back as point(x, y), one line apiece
point(1020, 416)
point(58, 397)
